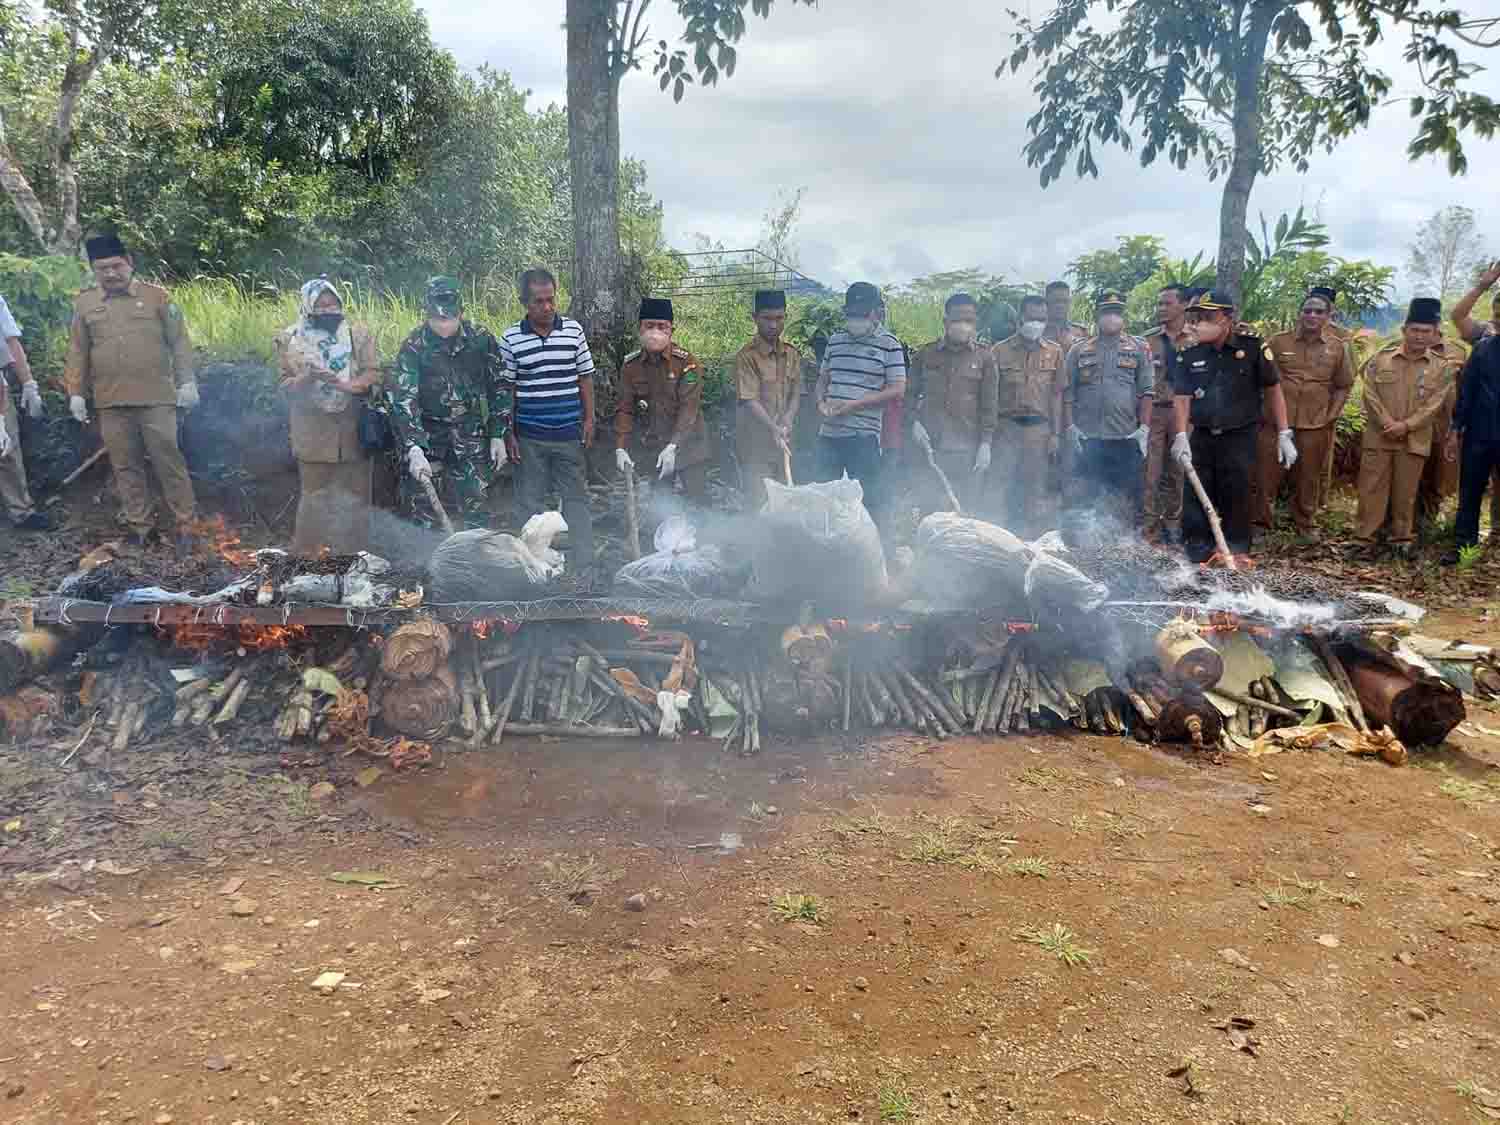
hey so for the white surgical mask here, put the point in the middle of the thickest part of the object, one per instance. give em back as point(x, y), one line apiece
point(1033, 329)
point(1111, 323)
point(962, 332)
point(858, 326)
point(655, 340)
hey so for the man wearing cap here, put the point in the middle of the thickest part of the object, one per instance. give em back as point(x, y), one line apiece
point(129, 349)
point(1221, 385)
point(1164, 476)
point(768, 384)
point(663, 384)
point(956, 408)
point(1106, 414)
point(1316, 376)
point(451, 408)
point(547, 357)
point(863, 368)
point(1029, 404)
point(14, 493)
point(1406, 385)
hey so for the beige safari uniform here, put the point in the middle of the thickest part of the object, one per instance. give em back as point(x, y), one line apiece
point(131, 353)
point(1398, 389)
point(14, 493)
point(671, 387)
point(771, 376)
point(1311, 371)
point(1029, 404)
point(333, 468)
point(957, 408)
point(1165, 478)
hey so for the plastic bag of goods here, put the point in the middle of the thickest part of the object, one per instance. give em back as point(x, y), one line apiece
point(490, 566)
point(817, 542)
point(1050, 581)
point(968, 562)
point(678, 568)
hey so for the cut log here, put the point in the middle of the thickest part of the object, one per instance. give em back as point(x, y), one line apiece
point(422, 709)
point(416, 650)
point(1186, 657)
point(233, 703)
point(1418, 712)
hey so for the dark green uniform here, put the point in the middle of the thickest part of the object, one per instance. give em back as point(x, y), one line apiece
point(450, 398)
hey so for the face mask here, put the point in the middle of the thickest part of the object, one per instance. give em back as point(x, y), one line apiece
point(326, 322)
point(858, 326)
point(1111, 323)
point(1032, 329)
point(962, 332)
point(447, 329)
point(655, 340)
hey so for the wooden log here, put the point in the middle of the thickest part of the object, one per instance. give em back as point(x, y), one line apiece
point(190, 691)
point(848, 686)
point(1418, 712)
point(1214, 525)
point(632, 706)
point(903, 704)
point(999, 698)
point(231, 709)
point(126, 726)
point(489, 664)
point(982, 708)
point(1248, 701)
point(872, 713)
point(637, 656)
point(1184, 656)
point(632, 517)
point(1339, 675)
point(468, 707)
point(482, 699)
point(934, 705)
point(572, 730)
point(509, 703)
point(528, 689)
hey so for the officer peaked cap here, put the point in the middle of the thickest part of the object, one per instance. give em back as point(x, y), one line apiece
point(655, 308)
point(1213, 300)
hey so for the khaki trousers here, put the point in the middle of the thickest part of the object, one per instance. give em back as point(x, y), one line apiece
point(137, 434)
point(13, 491)
point(1017, 484)
point(1313, 447)
point(333, 509)
point(1164, 477)
point(1388, 483)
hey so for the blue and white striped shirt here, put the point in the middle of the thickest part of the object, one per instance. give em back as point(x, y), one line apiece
point(857, 367)
point(547, 370)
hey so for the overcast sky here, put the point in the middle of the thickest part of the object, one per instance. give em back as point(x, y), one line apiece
point(910, 149)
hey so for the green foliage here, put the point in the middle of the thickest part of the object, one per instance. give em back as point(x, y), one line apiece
point(1134, 258)
point(712, 29)
point(40, 293)
point(1282, 266)
point(1446, 253)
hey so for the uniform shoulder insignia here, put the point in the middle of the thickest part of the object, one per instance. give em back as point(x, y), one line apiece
point(633, 356)
point(680, 352)
point(1269, 353)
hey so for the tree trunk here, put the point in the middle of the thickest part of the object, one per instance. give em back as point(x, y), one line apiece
point(27, 205)
point(1234, 210)
point(594, 158)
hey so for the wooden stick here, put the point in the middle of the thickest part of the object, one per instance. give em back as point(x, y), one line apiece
point(1213, 516)
point(437, 505)
point(1340, 677)
point(482, 698)
point(1246, 701)
point(848, 686)
point(943, 477)
point(934, 704)
point(893, 687)
point(127, 724)
point(510, 700)
point(632, 517)
point(83, 468)
point(197, 687)
point(231, 708)
point(786, 471)
point(982, 708)
point(493, 662)
point(528, 692)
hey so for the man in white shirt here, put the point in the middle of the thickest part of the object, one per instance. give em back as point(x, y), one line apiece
point(13, 491)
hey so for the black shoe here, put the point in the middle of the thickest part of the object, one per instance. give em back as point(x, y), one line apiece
point(1450, 558)
point(37, 521)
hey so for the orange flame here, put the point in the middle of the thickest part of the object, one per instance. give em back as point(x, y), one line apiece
point(255, 638)
point(481, 628)
point(226, 542)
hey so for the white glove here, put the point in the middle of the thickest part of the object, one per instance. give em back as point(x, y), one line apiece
point(417, 464)
point(623, 461)
point(982, 460)
point(1142, 435)
point(497, 453)
point(1182, 451)
point(31, 398)
point(667, 462)
point(1075, 438)
point(920, 436)
point(187, 396)
point(1286, 448)
point(4, 440)
point(78, 408)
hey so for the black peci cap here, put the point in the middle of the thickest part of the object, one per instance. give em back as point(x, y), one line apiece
point(1424, 310)
point(656, 308)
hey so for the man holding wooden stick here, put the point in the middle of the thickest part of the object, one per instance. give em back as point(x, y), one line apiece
point(1221, 384)
point(956, 405)
point(768, 382)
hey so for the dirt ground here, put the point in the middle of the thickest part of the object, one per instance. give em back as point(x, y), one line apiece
point(1037, 928)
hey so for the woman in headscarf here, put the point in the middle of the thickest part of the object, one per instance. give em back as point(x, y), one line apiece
point(327, 366)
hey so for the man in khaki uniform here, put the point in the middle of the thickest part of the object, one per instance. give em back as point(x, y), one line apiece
point(956, 410)
point(1316, 376)
point(14, 494)
point(1164, 476)
point(768, 383)
point(1030, 408)
point(1406, 384)
point(129, 348)
point(665, 385)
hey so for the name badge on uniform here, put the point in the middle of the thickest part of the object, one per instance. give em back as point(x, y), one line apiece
point(1198, 393)
point(1240, 354)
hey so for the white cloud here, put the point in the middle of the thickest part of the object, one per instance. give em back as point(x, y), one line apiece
point(910, 149)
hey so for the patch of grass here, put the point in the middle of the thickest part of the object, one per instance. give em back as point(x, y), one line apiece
point(876, 824)
point(1469, 792)
point(1468, 557)
point(14, 588)
point(1031, 867)
point(1059, 941)
point(756, 812)
point(294, 798)
point(1301, 893)
point(1045, 778)
point(792, 907)
point(164, 838)
point(953, 840)
point(1120, 826)
point(1079, 824)
point(573, 878)
point(894, 1102)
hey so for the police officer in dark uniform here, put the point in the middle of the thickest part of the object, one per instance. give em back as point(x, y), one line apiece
point(1218, 385)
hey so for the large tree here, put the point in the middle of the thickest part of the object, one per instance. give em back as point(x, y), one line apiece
point(1446, 253)
point(1242, 86)
point(607, 39)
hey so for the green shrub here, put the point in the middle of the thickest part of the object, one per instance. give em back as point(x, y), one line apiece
point(40, 293)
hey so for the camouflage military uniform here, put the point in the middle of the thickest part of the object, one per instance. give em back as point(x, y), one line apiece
point(449, 398)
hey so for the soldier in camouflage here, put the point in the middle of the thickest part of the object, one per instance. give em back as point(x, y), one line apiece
point(451, 408)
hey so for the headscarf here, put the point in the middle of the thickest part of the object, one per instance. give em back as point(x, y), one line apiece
point(334, 350)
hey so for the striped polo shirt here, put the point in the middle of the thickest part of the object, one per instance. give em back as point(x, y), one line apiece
point(856, 368)
point(547, 370)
